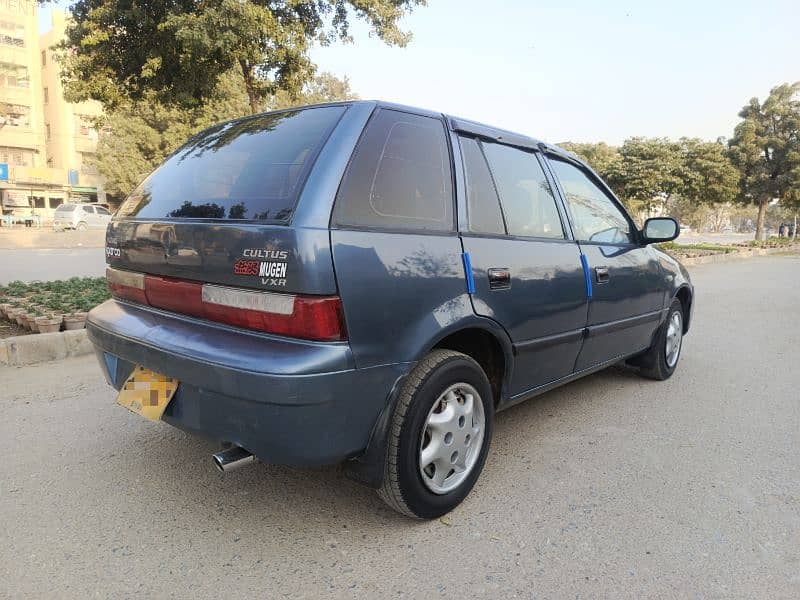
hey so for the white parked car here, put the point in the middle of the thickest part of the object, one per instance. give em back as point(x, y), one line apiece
point(81, 216)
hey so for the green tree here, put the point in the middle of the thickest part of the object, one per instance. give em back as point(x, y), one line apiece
point(649, 173)
point(176, 52)
point(141, 134)
point(604, 159)
point(765, 147)
point(708, 176)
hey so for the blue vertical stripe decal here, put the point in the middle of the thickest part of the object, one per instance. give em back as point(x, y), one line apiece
point(468, 272)
point(586, 274)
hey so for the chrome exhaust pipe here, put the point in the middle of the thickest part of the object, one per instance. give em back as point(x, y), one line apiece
point(232, 458)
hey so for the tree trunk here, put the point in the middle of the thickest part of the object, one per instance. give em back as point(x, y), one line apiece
point(762, 215)
point(249, 86)
point(794, 231)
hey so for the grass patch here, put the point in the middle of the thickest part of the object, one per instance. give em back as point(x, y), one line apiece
point(78, 294)
point(773, 242)
point(701, 247)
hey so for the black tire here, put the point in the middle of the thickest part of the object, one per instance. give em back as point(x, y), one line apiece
point(653, 364)
point(81, 226)
point(403, 488)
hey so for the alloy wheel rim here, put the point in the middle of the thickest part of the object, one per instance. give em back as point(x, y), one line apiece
point(451, 438)
point(674, 338)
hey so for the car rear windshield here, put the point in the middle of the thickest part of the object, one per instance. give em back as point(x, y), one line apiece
point(66, 208)
point(252, 168)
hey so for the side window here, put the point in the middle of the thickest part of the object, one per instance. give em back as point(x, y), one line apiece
point(595, 216)
point(528, 202)
point(88, 210)
point(483, 206)
point(101, 211)
point(399, 176)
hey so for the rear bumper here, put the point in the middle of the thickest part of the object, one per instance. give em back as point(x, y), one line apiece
point(286, 401)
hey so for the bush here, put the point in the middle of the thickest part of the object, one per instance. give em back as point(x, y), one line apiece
point(77, 294)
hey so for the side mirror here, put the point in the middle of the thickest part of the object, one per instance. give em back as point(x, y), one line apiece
point(660, 229)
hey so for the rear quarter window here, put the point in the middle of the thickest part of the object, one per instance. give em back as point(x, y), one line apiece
point(252, 169)
point(399, 176)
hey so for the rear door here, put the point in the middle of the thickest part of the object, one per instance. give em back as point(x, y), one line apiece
point(218, 210)
point(527, 271)
point(627, 289)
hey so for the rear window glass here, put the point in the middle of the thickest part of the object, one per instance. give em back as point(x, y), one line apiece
point(399, 176)
point(64, 208)
point(253, 168)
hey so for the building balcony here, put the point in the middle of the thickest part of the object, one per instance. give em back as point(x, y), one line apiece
point(22, 176)
point(86, 144)
point(21, 137)
point(17, 95)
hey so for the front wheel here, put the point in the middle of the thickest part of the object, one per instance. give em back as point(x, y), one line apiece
point(81, 226)
point(661, 359)
point(440, 435)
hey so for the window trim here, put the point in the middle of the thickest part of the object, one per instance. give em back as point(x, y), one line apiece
point(566, 229)
point(453, 230)
point(594, 178)
point(468, 224)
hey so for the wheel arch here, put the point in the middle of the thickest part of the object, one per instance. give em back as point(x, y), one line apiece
point(685, 296)
point(367, 468)
point(487, 348)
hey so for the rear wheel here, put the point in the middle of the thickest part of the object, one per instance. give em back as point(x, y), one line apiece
point(661, 360)
point(440, 435)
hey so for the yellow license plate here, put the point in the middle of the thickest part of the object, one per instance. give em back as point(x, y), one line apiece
point(147, 393)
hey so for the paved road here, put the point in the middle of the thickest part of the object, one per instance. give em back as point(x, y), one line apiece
point(53, 263)
point(610, 487)
point(692, 237)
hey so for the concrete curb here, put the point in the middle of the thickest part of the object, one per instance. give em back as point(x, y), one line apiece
point(720, 258)
point(43, 347)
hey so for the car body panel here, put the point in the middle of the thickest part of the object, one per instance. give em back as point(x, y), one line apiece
point(543, 310)
point(625, 310)
point(212, 253)
point(398, 291)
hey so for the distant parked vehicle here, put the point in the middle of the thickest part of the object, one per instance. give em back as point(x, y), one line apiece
point(81, 216)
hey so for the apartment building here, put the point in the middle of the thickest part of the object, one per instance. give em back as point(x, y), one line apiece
point(46, 143)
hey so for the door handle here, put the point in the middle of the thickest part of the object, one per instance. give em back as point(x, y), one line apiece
point(601, 274)
point(499, 279)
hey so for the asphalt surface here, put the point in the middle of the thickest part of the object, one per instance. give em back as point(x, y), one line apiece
point(46, 264)
point(612, 486)
point(30, 254)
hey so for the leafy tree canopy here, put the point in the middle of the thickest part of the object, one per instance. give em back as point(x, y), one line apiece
point(765, 147)
point(176, 51)
point(143, 133)
point(647, 172)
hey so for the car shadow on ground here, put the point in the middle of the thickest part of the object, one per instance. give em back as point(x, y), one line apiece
point(277, 496)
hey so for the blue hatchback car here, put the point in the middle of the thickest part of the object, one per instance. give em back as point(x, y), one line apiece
point(366, 283)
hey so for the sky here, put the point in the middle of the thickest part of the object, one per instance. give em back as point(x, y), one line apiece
point(580, 71)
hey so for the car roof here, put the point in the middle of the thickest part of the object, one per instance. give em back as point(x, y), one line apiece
point(482, 130)
point(457, 124)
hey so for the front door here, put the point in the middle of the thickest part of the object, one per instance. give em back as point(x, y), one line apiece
point(527, 272)
point(626, 295)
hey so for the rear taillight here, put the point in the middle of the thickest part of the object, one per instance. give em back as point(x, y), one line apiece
point(126, 285)
point(309, 317)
